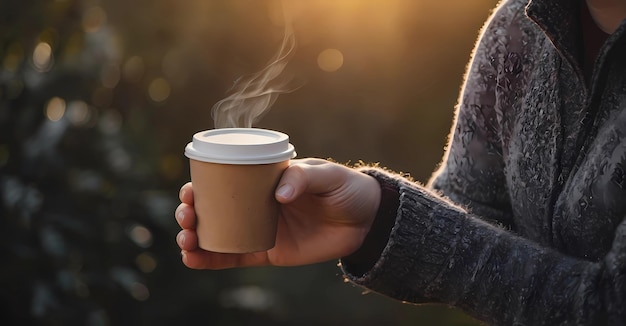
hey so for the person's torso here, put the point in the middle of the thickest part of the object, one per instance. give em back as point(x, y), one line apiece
point(563, 145)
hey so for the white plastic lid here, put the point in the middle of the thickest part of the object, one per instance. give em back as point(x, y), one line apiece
point(240, 146)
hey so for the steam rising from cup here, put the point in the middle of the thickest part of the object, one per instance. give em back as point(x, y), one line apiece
point(255, 94)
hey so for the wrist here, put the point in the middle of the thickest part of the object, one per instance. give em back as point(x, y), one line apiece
point(377, 237)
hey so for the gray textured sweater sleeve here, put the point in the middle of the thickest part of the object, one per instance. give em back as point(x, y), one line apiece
point(443, 248)
point(438, 253)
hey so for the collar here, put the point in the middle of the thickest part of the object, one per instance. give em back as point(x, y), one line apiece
point(560, 21)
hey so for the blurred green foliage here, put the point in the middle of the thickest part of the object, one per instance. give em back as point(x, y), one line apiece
point(98, 99)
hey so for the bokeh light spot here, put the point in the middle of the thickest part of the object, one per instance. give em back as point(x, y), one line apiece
point(133, 69)
point(55, 109)
point(146, 262)
point(139, 291)
point(140, 235)
point(330, 60)
point(159, 90)
point(78, 113)
point(42, 57)
point(93, 19)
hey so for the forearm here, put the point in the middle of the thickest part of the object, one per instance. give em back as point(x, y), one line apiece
point(437, 252)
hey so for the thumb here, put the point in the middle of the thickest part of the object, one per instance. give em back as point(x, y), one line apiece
point(312, 175)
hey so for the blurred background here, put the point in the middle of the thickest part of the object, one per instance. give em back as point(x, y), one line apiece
point(99, 98)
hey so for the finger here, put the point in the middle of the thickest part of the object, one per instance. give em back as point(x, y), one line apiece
point(186, 194)
point(187, 240)
point(201, 259)
point(186, 216)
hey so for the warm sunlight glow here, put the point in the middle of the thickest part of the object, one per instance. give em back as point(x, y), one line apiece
point(373, 19)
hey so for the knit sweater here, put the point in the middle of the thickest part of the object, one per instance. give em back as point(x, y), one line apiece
point(524, 223)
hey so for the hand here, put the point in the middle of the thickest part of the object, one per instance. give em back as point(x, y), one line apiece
point(326, 210)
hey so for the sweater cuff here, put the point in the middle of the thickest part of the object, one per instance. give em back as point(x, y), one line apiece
point(376, 239)
point(420, 244)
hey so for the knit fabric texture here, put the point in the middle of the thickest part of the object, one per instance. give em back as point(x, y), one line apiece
point(524, 222)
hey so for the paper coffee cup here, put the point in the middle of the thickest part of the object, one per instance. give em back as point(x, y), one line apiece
point(235, 172)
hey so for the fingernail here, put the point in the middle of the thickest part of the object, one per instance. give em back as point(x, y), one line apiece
point(181, 240)
point(285, 191)
point(179, 216)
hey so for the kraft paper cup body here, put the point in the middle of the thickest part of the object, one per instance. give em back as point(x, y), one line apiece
point(235, 172)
